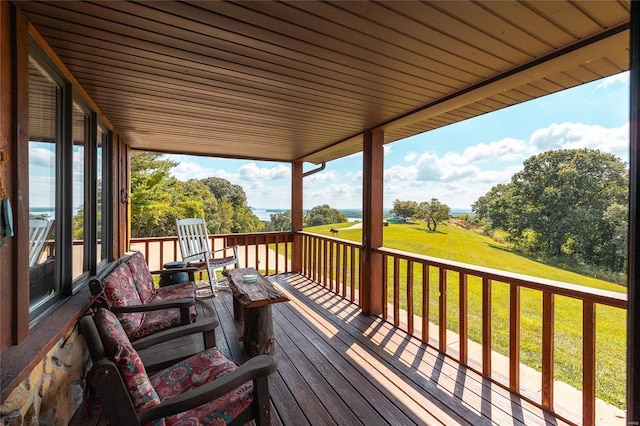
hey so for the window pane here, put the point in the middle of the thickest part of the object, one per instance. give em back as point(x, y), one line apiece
point(80, 120)
point(43, 104)
point(100, 217)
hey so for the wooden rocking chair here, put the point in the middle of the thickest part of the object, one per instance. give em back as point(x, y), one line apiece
point(194, 246)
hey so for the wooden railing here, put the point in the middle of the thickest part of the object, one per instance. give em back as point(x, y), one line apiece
point(333, 263)
point(268, 252)
point(408, 280)
point(418, 273)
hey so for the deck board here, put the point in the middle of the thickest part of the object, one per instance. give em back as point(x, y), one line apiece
point(339, 366)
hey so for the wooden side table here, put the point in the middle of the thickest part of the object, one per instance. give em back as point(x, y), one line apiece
point(252, 302)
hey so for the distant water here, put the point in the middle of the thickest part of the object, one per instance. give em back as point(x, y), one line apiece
point(353, 215)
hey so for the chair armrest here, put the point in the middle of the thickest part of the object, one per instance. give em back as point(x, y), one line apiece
point(183, 303)
point(257, 367)
point(200, 326)
point(234, 248)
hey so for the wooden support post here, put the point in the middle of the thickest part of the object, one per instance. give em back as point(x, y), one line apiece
point(296, 216)
point(633, 286)
point(372, 183)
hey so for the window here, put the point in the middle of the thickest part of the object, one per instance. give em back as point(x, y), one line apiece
point(101, 212)
point(68, 186)
point(80, 139)
point(44, 136)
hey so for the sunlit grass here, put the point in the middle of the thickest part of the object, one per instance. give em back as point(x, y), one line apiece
point(457, 244)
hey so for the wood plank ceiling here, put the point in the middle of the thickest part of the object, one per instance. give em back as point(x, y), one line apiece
point(292, 81)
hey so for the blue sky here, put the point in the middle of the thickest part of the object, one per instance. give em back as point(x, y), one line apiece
point(456, 164)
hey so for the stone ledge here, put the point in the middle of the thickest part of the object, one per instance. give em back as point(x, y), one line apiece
point(19, 360)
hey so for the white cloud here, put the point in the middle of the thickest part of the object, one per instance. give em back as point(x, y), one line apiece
point(186, 169)
point(387, 149)
point(578, 135)
point(410, 157)
point(42, 154)
point(251, 172)
point(507, 149)
point(611, 80)
point(395, 174)
point(327, 176)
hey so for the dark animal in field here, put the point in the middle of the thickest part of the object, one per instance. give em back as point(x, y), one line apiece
point(333, 232)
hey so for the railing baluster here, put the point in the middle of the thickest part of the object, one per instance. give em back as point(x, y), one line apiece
point(588, 363)
point(425, 302)
point(353, 273)
point(385, 287)
point(330, 267)
point(547, 348)
point(442, 327)
point(344, 271)
point(463, 317)
point(410, 297)
point(514, 338)
point(486, 326)
point(325, 260)
point(396, 291)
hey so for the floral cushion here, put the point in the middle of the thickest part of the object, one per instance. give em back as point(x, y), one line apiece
point(196, 371)
point(177, 291)
point(118, 347)
point(120, 290)
point(141, 276)
point(154, 321)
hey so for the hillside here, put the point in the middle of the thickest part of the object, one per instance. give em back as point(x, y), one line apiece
point(461, 245)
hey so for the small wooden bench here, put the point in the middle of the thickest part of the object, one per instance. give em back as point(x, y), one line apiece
point(252, 302)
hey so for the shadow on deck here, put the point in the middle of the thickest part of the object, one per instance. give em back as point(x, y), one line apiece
point(339, 366)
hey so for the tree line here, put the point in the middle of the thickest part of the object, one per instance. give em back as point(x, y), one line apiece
point(158, 199)
point(566, 206)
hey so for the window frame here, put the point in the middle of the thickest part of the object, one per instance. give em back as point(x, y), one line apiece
point(66, 97)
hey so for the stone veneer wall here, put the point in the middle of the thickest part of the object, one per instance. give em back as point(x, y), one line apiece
point(54, 389)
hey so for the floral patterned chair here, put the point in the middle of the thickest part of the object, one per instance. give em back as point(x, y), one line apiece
point(126, 287)
point(206, 388)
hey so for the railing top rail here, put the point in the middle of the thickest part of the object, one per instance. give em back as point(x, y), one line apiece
point(604, 297)
point(325, 237)
point(240, 235)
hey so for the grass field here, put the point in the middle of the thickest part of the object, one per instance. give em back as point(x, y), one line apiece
point(454, 243)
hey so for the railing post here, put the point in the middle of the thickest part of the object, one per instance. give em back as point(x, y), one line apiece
point(296, 216)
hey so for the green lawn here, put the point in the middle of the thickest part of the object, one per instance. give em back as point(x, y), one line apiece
point(454, 243)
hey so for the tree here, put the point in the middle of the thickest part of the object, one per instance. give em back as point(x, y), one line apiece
point(324, 215)
point(432, 213)
point(150, 193)
point(565, 203)
point(280, 221)
point(404, 209)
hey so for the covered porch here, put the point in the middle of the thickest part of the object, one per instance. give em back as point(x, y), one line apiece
point(302, 82)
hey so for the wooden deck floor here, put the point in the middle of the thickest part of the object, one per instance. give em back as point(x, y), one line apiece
point(339, 366)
